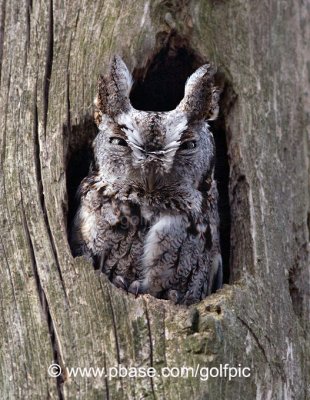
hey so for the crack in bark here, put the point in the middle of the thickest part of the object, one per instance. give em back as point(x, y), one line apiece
point(9, 270)
point(115, 331)
point(28, 27)
point(3, 150)
point(41, 293)
point(255, 337)
point(165, 343)
point(48, 63)
point(38, 169)
point(114, 327)
point(106, 381)
point(45, 306)
point(151, 345)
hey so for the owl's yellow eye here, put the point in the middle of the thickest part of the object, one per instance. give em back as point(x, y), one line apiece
point(118, 141)
point(188, 145)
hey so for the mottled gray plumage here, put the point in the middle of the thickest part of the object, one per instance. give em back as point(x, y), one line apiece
point(148, 213)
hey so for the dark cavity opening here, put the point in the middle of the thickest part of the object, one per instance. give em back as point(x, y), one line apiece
point(160, 87)
point(79, 140)
point(221, 173)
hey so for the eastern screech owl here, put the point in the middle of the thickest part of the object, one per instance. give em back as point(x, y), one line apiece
point(148, 211)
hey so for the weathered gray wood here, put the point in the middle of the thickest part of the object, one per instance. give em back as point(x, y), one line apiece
point(54, 307)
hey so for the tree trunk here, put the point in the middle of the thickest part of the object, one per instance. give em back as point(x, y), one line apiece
point(55, 308)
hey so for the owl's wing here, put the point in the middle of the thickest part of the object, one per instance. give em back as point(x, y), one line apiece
point(86, 235)
point(208, 274)
point(171, 255)
point(183, 255)
point(107, 230)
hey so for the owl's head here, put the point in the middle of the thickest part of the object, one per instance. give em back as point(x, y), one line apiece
point(155, 150)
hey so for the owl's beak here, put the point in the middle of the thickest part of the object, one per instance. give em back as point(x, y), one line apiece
point(150, 181)
point(151, 176)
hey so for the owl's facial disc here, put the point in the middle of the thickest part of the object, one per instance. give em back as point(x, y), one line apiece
point(157, 141)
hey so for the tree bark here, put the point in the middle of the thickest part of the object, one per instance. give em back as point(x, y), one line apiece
point(55, 308)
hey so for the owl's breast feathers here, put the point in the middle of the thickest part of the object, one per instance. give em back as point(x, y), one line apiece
point(166, 243)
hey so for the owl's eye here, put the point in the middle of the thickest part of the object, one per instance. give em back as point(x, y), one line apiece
point(189, 145)
point(118, 141)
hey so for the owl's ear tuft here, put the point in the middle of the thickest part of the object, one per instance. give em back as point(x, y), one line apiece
point(113, 91)
point(201, 97)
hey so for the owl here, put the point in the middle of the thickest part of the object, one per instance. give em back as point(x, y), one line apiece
point(147, 213)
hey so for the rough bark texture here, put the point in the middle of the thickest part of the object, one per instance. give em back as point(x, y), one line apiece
point(54, 307)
